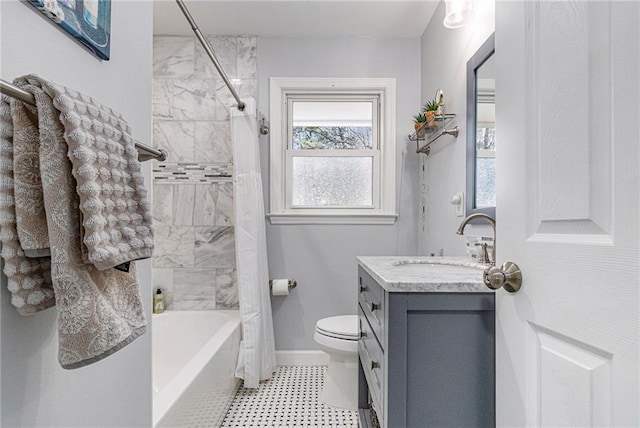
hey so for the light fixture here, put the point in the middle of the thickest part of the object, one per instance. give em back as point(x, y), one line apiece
point(458, 13)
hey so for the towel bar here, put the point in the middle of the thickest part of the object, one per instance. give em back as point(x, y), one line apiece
point(145, 152)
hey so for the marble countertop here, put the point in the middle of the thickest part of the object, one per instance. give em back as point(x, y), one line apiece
point(425, 274)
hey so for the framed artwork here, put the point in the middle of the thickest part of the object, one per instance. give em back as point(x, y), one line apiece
point(88, 21)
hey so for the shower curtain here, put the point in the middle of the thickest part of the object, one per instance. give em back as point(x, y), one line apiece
point(257, 359)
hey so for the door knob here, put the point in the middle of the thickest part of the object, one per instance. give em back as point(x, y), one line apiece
point(508, 276)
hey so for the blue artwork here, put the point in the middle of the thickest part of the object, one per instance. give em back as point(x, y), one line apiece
point(88, 21)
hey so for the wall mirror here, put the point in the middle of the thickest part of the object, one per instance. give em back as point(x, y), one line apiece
point(481, 131)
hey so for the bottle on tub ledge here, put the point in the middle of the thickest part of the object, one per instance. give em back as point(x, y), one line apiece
point(158, 302)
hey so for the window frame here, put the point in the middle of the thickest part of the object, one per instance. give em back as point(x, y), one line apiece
point(282, 90)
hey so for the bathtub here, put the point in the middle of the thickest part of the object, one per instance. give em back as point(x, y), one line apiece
point(194, 359)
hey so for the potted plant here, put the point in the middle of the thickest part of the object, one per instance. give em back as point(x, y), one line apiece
point(430, 110)
point(418, 120)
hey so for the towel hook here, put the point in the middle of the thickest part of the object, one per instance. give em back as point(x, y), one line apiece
point(264, 129)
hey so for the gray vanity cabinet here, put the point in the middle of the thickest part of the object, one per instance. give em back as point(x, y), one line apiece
point(427, 359)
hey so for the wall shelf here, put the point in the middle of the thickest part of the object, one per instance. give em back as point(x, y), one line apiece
point(430, 131)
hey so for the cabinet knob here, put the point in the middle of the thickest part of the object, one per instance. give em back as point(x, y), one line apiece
point(375, 306)
point(363, 288)
point(374, 365)
point(363, 334)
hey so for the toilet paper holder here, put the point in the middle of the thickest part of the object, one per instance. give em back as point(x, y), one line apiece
point(291, 282)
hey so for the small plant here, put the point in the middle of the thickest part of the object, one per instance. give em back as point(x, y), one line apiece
point(431, 110)
point(418, 120)
point(431, 106)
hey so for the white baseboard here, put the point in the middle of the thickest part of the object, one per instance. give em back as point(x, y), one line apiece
point(302, 358)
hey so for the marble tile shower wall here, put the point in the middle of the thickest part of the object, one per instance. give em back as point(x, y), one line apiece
point(194, 261)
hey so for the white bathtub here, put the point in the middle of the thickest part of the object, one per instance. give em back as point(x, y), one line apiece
point(194, 359)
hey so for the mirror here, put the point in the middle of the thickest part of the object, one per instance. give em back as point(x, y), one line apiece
point(481, 131)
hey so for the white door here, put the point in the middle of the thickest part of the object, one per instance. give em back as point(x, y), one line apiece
point(568, 167)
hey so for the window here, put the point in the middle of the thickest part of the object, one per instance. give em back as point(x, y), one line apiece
point(332, 151)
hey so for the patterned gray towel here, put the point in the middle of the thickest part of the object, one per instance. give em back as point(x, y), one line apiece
point(99, 311)
point(29, 279)
point(27, 186)
point(116, 216)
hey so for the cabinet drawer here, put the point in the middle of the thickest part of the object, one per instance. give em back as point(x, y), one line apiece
point(372, 360)
point(371, 297)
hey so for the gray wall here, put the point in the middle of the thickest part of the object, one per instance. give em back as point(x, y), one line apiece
point(35, 390)
point(322, 257)
point(445, 53)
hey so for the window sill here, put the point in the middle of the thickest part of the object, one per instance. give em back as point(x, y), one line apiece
point(372, 219)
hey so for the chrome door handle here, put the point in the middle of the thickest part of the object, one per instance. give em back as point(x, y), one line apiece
point(508, 276)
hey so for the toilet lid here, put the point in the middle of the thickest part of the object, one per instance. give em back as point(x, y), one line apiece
point(342, 327)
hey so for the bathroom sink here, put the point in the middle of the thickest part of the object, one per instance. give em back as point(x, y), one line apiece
point(436, 266)
point(425, 274)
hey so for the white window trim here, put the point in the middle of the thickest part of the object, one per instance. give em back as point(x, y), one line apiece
point(386, 191)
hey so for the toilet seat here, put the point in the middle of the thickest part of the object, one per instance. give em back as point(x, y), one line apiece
point(344, 327)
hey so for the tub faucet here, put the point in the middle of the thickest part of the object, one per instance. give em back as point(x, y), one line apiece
point(492, 222)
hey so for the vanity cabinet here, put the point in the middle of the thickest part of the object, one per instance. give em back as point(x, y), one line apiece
point(427, 359)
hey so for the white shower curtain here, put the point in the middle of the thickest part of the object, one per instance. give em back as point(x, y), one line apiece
point(257, 359)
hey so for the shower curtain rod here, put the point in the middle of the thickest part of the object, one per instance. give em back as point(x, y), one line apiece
point(209, 50)
point(145, 152)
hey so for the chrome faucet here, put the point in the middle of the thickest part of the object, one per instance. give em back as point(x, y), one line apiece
point(492, 222)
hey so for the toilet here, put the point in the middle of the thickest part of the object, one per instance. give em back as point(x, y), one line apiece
point(338, 337)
